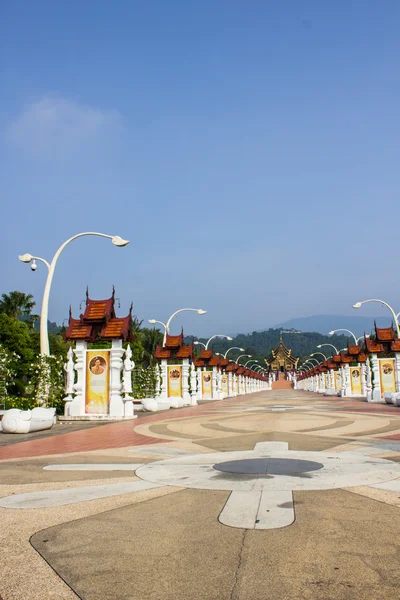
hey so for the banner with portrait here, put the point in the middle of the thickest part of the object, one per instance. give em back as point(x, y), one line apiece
point(206, 378)
point(97, 397)
point(388, 375)
point(175, 381)
point(355, 380)
point(224, 383)
point(338, 381)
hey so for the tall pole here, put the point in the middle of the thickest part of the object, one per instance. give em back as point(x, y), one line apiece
point(44, 334)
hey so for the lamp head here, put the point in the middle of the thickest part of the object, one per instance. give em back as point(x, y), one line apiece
point(201, 311)
point(241, 349)
point(33, 265)
point(357, 305)
point(118, 241)
point(196, 343)
point(26, 258)
point(320, 346)
point(331, 332)
point(152, 321)
point(229, 338)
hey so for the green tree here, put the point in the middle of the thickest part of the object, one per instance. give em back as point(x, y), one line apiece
point(17, 304)
point(150, 339)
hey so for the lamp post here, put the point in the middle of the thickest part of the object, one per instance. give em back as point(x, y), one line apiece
point(394, 315)
point(166, 325)
point(229, 349)
point(242, 356)
point(314, 353)
point(331, 345)
point(28, 258)
point(218, 335)
point(348, 331)
point(245, 365)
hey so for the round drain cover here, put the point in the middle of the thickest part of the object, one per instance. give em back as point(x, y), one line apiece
point(268, 466)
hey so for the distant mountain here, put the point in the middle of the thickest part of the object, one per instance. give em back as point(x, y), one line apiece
point(326, 323)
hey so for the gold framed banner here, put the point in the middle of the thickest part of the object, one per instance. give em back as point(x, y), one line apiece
point(355, 380)
point(387, 373)
point(175, 381)
point(338, 381)
point(206, 379)
point(224, 383)
point(97, 397)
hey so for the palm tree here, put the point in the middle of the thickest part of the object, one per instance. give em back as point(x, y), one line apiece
point(17, 304)
point(150, 339)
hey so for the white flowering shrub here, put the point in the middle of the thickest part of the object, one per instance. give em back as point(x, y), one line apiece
point(7, 371)
point(47, 379)
point(144, 382)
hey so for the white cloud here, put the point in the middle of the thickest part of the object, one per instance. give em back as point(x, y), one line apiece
point(54, 126)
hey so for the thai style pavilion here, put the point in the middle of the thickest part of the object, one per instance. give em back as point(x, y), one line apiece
point(281, 359)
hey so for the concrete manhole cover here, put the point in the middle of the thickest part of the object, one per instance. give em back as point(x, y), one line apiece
point(268, 466)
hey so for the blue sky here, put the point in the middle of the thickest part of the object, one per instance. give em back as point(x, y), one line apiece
point(248, 149)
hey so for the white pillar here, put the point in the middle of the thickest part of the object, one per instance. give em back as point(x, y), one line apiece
point(193, 384)
point(76, 408)
point(214, 390)
point(116, 402)
point(397, 370)
point(376, 379)
point(185, 382)
point(230, 385)
point(363, 375)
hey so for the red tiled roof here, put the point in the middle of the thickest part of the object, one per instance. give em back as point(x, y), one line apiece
point(385, 334)
point(162, 352)
point(118, 328)
point(372, 346)
point(185, 352)
point(206, 354)
point(353, 349)
point(174, 341)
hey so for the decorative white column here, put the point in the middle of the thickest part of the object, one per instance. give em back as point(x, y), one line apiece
point(220, 393)
point(129, 365)
point(230, 385)
point(77, 406)
point(164, 380)
point(185, 383)
point(363, 376)
point(376, 379)
point(69, 369)
point(214, 390)
point(158, 380)
point(397, 370)
point(116, 402)
point(199, 384)
point(193, 385)
point(368, 383)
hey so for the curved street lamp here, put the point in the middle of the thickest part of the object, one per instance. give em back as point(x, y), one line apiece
point(314, 353)
point(218, 335)
point(331, 345)
point(341, 329)
point(242, 356)
point(166, 325)
point(395, 317)
point(229, 349)
point(245, 365)
point(28, 258)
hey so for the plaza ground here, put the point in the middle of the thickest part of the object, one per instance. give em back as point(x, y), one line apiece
point(167, 542)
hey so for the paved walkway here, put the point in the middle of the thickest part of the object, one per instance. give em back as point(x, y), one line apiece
point(282, 495)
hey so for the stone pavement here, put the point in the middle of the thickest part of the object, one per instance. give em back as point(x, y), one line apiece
point(280, 495)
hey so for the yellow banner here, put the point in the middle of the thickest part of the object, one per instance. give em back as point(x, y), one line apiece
point(387, 373)
point(97, 382)
point(206, 378)
point(355, 380)
point(175, 381)
point(224, 383)
point(338, 381)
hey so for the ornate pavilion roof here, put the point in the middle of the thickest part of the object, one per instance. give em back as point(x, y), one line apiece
point(281, 354)
point(99, 322)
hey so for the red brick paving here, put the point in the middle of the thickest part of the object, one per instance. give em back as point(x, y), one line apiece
point(113, 435)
